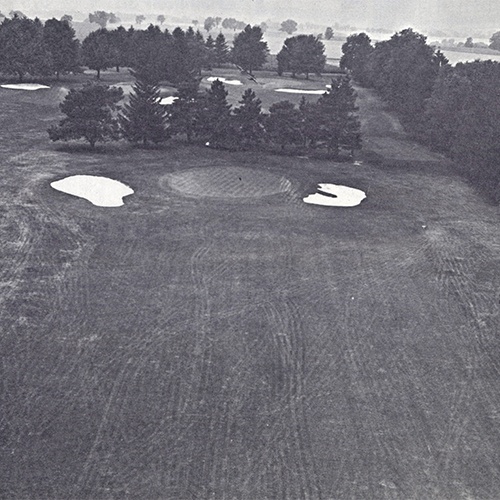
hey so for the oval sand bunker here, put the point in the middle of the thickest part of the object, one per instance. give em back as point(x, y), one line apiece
point(228, 182)
point(24, 86)
point(100, 191)
point(340, 196)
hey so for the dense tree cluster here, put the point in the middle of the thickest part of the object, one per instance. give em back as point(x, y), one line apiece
point(463, 120)
point(456, 110)
point(102, 18)
point(330, 123)
point(27, 47)
point(302, 54)
point(402, 69)
point(233, 24)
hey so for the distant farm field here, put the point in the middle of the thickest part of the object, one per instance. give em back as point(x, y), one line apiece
point(216, 340)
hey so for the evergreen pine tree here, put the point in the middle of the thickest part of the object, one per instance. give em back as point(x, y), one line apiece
point(284, 124)
point(214, 115)
point(183, 114)
point(144, 119)
point(335, 118)
point(221, 50)
point(247, 122)
point(210, 57)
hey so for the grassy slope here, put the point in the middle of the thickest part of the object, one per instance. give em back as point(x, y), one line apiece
point(184, 347)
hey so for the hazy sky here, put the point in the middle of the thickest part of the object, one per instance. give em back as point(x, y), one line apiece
point(393, 14)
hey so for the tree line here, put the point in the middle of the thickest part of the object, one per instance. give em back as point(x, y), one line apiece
point(29, 47)
point(454, 109)
point(329, 124)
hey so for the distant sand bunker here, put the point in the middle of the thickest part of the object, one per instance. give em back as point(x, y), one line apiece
point(340, 196)
point(301, 91)
point(100, 191)
point(228, 182)
point(24, 86)
point(223, 80)
point(167, 101)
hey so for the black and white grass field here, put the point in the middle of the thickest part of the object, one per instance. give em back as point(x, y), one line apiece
point(244, 344)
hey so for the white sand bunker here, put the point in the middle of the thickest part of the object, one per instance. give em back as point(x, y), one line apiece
point(228, 182)
point(333, 195)
point(24, 86)
point(224, 80)
point(100, 191)
point(301, 91)
point(167, 101)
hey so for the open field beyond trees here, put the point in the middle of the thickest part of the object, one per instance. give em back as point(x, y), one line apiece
point(240, 343)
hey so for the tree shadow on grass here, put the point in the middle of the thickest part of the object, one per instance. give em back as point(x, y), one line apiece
point(108, 149)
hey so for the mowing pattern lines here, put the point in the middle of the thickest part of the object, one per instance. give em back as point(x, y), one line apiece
point(218, 403)
point(459, 261)
point(292, 446)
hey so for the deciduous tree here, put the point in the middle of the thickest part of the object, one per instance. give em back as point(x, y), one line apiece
point(22, 48)
point(404, 70)
point(469, 43)
point(90, 114)
point(356, 52)
point(120, 42)
point(302, 54)
point(209, 23)
point(495, 41)
point(249, 51)
point(289, 26)
point(59, 38)
point(100, 17)
point(97, 51)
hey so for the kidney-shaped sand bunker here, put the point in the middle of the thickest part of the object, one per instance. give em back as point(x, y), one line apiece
point(335, 195)
point(100, 191)
point(227, 182)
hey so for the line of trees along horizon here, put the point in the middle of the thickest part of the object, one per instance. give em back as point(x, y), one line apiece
point(453, 109)
point(28, 47)
point(31, 48)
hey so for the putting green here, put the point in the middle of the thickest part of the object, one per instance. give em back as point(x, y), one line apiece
point(227, 182)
